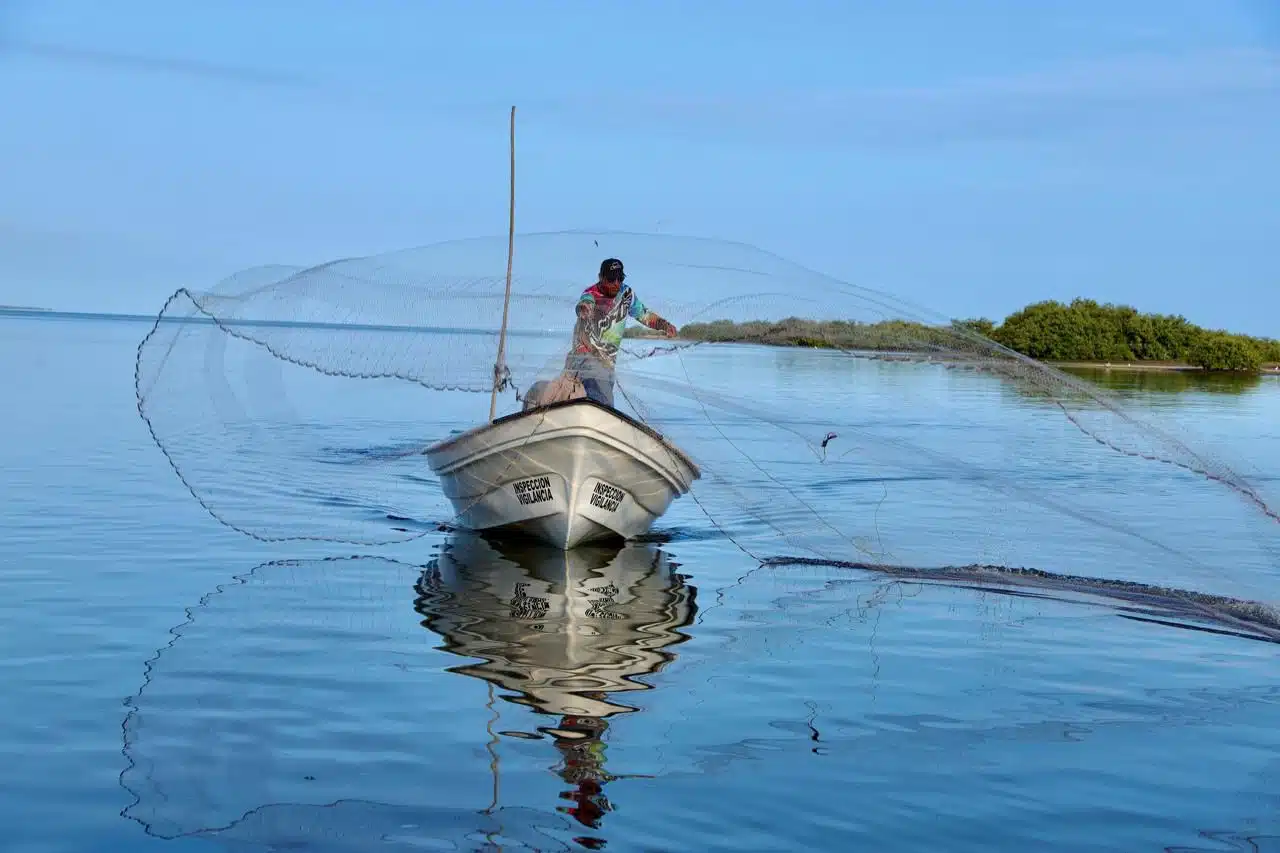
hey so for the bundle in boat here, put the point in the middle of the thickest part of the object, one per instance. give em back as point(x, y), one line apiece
point(565, 387)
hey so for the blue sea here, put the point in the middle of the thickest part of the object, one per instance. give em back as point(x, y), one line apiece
point(171, 684)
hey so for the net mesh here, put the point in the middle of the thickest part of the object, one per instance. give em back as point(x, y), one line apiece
point(829, 421)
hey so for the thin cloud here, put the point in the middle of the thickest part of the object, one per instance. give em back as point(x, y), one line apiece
point(1126, 78)
point(1120, 92)
point(152, 64)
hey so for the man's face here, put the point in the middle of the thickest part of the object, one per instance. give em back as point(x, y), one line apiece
point(610, 286)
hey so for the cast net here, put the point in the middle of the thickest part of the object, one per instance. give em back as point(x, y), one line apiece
point(830, 422)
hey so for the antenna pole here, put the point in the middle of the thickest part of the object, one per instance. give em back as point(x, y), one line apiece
point(506, 301)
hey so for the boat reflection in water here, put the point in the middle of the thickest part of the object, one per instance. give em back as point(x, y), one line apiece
point(569, 633)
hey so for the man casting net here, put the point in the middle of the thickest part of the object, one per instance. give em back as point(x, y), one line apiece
point(830, 422)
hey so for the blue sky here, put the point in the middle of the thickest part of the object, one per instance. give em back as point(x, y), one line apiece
point(970, 156)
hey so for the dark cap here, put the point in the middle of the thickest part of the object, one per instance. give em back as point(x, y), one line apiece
point(611, 268)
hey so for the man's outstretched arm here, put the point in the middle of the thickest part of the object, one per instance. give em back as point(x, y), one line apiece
point(651, 319)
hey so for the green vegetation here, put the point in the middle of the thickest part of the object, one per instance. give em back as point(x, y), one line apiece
point(1083, 331)
point(895, 335)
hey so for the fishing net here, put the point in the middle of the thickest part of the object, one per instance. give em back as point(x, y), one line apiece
point(830, 421)
point(834, 427)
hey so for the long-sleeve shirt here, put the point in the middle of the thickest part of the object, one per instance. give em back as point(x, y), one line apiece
point(600, 334)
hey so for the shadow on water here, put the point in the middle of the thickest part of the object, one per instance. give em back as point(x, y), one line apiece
point(567, 635)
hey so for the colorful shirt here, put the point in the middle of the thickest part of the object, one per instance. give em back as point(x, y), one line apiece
point(601, 333)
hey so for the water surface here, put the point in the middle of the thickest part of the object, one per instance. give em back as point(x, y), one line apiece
point(172, 684)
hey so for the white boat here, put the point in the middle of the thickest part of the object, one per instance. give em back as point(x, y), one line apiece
point(567, 473)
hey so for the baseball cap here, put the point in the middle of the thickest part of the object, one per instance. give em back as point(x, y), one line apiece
point(611, 268)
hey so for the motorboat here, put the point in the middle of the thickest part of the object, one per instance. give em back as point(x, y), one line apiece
point(566, 470)
point(567, 473)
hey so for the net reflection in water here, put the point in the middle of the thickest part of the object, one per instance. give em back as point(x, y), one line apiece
point(296, 705)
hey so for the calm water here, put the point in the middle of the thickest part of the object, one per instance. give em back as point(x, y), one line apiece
point(170, 684)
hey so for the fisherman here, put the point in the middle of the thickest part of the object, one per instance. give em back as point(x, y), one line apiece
point(602, 312)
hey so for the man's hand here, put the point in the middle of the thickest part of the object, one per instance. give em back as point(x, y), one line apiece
point(585, 311)
point(669, 328)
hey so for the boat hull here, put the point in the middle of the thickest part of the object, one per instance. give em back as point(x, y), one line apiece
point(567, 474)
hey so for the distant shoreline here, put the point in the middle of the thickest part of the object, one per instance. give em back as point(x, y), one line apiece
point(1266, 369)
point(17, 312)
point(1082, 334)
point(1119, 367)
point(202, 320)
point(25, 311)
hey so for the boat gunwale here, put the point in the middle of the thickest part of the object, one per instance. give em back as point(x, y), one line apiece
point(564, 404)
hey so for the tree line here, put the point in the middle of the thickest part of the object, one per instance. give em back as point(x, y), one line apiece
point(1082, 331)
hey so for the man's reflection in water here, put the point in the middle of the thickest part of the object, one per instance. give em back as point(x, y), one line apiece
point(563, 631)
point(582, 766)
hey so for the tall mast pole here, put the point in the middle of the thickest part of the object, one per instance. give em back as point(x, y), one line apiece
point(506, 302)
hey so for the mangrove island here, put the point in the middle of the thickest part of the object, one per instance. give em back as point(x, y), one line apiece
point(1083, 332)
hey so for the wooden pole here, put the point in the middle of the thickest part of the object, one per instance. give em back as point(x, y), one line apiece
point(506, 301)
